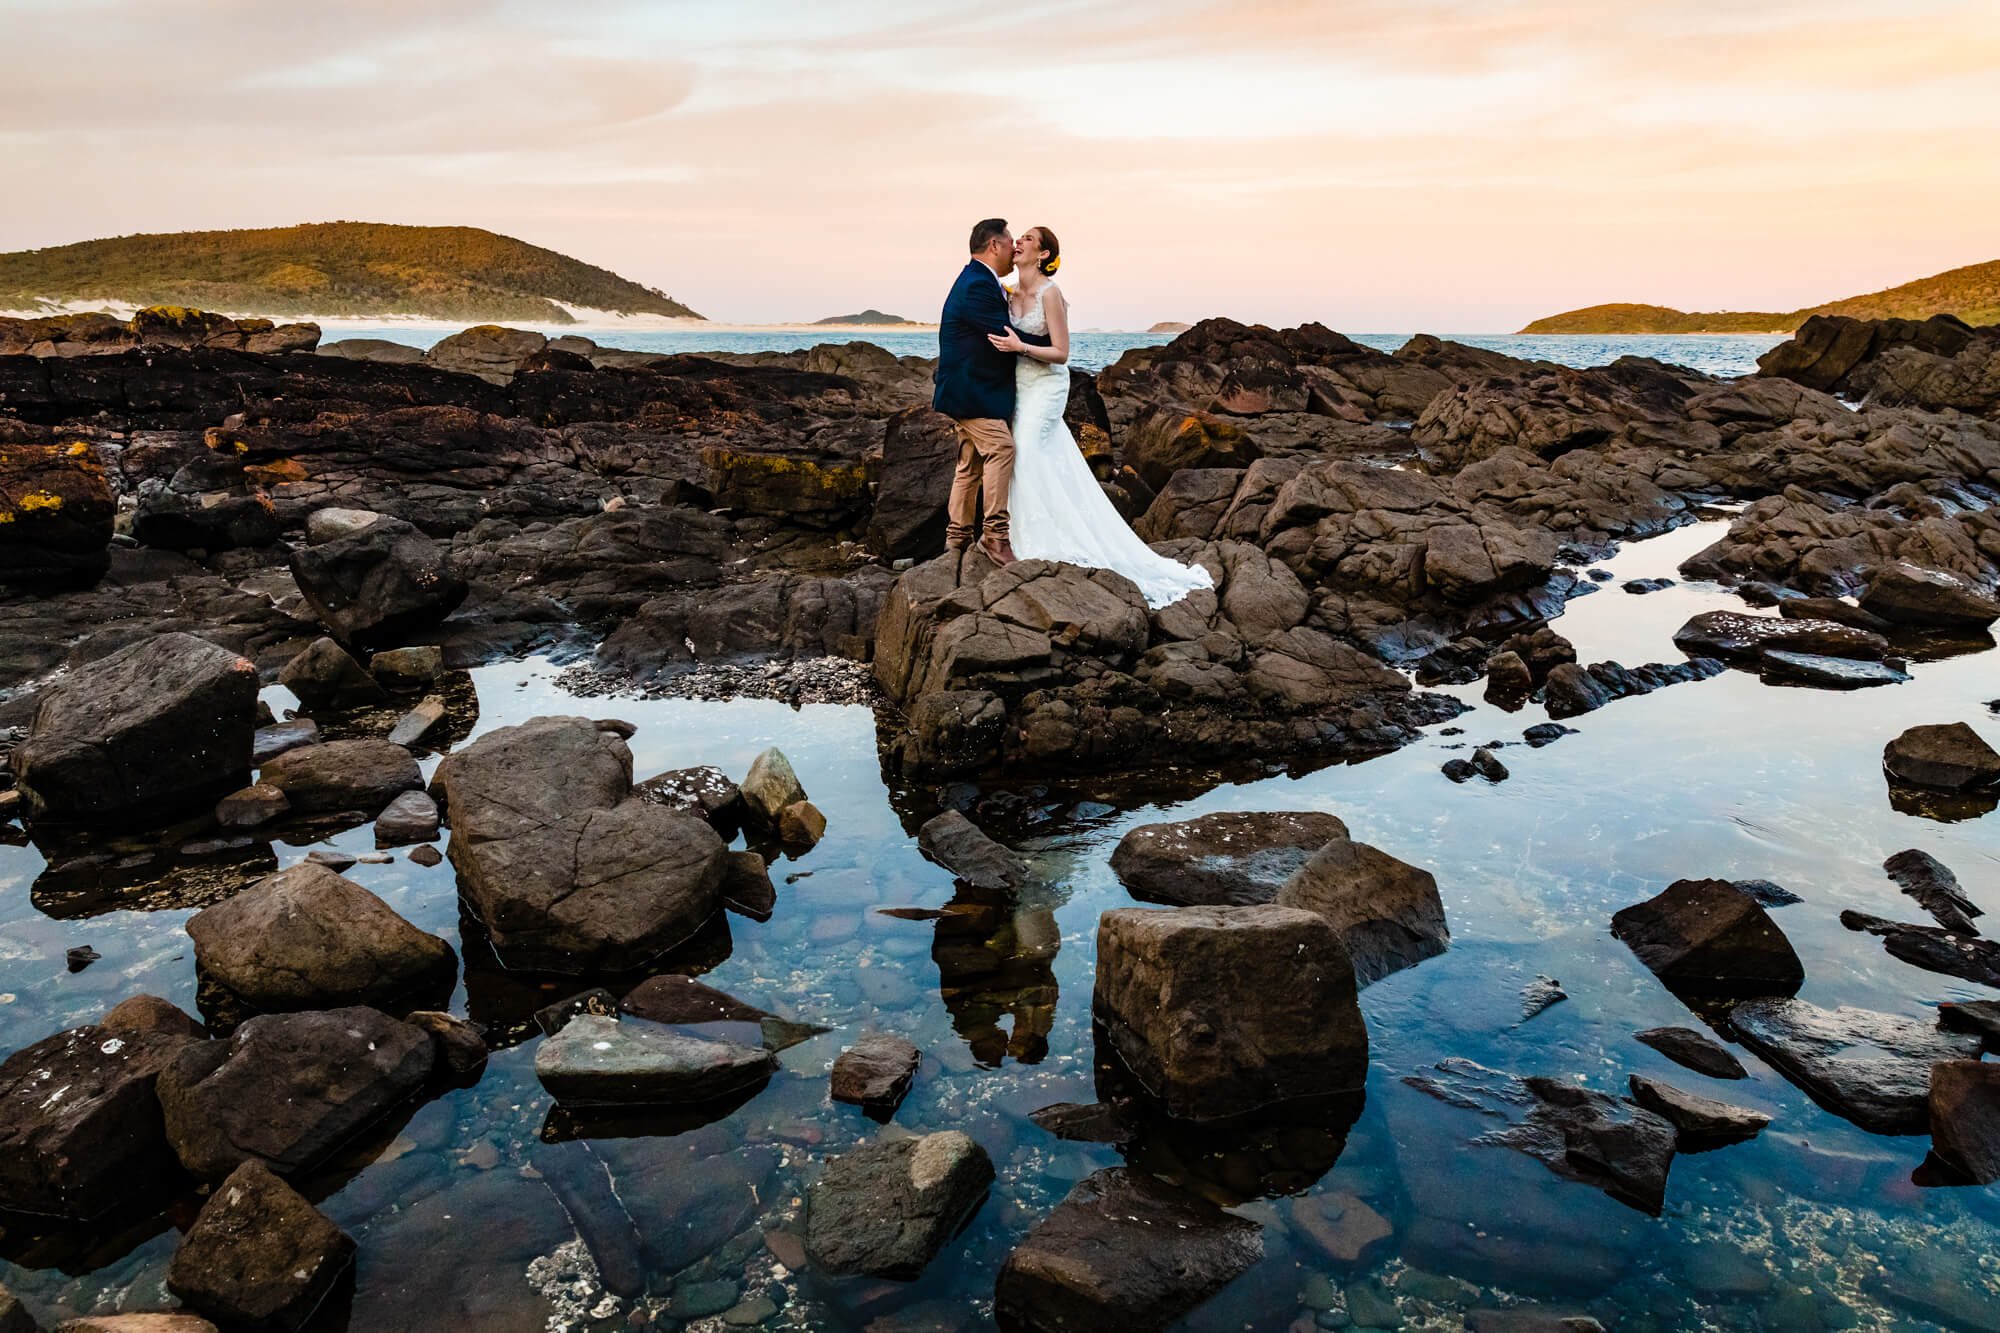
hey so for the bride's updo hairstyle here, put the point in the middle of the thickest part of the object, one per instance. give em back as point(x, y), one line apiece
point(1054, 247)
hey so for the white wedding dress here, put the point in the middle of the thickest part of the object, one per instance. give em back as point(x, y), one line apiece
point(1056, 510)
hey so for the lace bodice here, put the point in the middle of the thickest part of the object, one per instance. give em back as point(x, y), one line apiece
point(1035, 320)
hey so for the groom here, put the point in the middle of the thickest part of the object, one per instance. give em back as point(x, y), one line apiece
point(975, 387)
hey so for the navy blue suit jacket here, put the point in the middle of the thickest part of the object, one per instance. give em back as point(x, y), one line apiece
point(974, 378)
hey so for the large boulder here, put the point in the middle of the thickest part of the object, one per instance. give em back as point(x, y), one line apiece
point(1872, 1068)
point(566, 867)
point(259, 1256)
point(491, 351)
point(325, 675)
point(1735, 637)
point(599, 1061)
point(166, 721)
point(1230, 858)
point(1947, 756)
point(1388, 912)
point(918, 455)
point(80, 1126)
point(1707, 937)
point(1965, 1117)
point(364, 774)
point(1163, 441)
point(1907, 594)
point(307, 938)
point(1224, 1011)
point(1122, 1250)
point(288, 1089)
point(379, 586)
point(55, 515)
point(886, 1209)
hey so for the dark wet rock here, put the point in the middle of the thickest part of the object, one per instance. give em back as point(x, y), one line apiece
point(80, 957)
point(150, 1014)
point(426, 855)
point(1826, 673)
point(102, 1140)
point(56, 511)
point(1122, 1250)
point(1223, 1011)
point(411, 817)
point(1933, 947)
point(919, 450)
point(1965, 1117)
point(1929, 881)
point(1735, 637)
point(14, 1316)
point(682, 1001)
point(1640, 587)
point(287, 1090)
point(595, 1061)
point(1945, 756)
point(1707, 937)
point(1572, 689)
point(1539, 994)
point(1529, 1319)
point(459, 1045)
point(1231, 858)
point(363, 774)
point(267, 743)
point(167, 1321)
point(407, 670)
point(1907, 594)
point(747, 887)
point(875, 1072)
point(164, 721)
point(1346, 1230)
point(1698, 1052)
point(770, 787)
point(1387, 912)
point(325, 675)
point(887, 1209)
point(1458, 770)
point(706, 791)
point(801, 826)
point(413, 726)
point(1834, 609)
point(379, 586)
point(1766, 894)
point(1164, 442)
point(1096, 1122)
point(1872, 1068)
point(957, 844)
point(582, 1184)
point(1979, 1017)
point(251, 807)
point(307, 938)
point(565, 867)
point(1697, 1117)
point(1487, 765)
point(1546, 733)
point(1508, 678)
point(258, 1256)
point(953, 732)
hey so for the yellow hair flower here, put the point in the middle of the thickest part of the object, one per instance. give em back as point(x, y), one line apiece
point(1052, 265)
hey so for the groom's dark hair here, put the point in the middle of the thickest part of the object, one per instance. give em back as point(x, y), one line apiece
point(985, 233)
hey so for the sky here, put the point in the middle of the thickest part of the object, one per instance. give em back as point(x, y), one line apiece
point(1451, 166)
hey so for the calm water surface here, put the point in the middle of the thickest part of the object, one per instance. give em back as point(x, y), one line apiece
point(1800, 1228)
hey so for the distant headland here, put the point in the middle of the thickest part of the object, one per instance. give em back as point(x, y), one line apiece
point(1170, 326)
point(1971, 293)
point(330, 269)
point(869, 316)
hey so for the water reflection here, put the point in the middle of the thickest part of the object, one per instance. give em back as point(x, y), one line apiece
point(996, 973)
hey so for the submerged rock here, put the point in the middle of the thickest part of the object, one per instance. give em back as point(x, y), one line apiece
point(307, 938)
point(1708, 937)
point(1231, 858)
point(80, 1126)
point(1947, 757)
point(258, 1256)
point(1933, 947)
point(1695, 1050)
point(1979, 1017)
point(1223, 1011)
point(1827, 673)
point(598, 1061)
point(1871, 1068)
point(1965, 1117)
point(288, 1089)
point(1387, 912)
point(886, 1209)
point(1696, 1117)
point(162, 722)
point(875, 1072)
point(1122, 1250)
point(957, 844)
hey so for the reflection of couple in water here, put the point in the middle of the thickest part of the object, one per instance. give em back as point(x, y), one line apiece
point(995, 958)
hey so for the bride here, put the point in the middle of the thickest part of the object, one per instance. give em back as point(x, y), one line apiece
point(1058, 510)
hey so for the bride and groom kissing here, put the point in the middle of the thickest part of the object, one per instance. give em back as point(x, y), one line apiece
point(1003, 376)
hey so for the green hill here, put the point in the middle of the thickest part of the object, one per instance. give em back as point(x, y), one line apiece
point(1972, 293)
point(868, 316)
point(328, 268)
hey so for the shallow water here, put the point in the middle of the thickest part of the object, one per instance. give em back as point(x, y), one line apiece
point(1726, 778)
point(1712, 354)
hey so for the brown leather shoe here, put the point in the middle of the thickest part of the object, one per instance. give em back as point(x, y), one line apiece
point(997, 550)
point(952, 546)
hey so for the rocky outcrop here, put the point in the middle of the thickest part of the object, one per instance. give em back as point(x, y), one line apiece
point(287, 1090)
point(1734, 637)
point(566, 867)
point(159, 326)
point(1707, 937)
point(164, 722)
point(1122, 1250)
point(887, 1209)
point(55, 515)
point(1220, 1012)
point(919, 452)
point(1940, 362)
point(1387, 912)
point(1702, 1121)
point(491, 351)
point(307, 938)
point(1964, 1109)
point(1871, 1068)
point(379, 586)
point(596, 1061)
point(100, 1141)
point(1230, 858)
point(1906, 594)
point(258, 1256)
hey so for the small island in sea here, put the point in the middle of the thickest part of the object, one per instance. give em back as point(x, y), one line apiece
point(1971, 293)
point(1170, 326)
point(868, 316)
point(365, 270)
